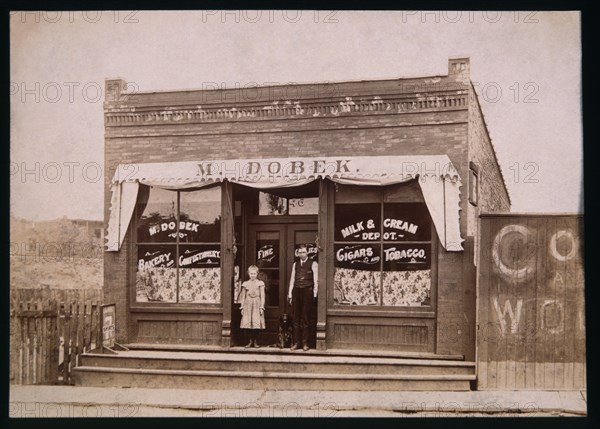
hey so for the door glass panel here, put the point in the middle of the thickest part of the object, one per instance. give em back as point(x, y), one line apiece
point(271, 279)
point(267, 260)
point(306, 238)
point(267, 250)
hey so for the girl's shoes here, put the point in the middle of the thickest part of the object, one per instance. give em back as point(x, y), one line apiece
point(249, 344)
point(256, 344)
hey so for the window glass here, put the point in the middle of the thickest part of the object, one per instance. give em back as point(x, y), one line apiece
point(406, 222)
point(269, 204)
point(200, 216)
point(406, 274)
point(156, 276)
point(200, 273)
point(385, 263)
point(170, 268)
point(303, 206)
point(357, 222)
point(473, 187)
point(357, 274)
point(158, 222)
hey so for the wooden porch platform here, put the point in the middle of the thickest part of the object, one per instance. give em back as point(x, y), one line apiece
point(210, 368)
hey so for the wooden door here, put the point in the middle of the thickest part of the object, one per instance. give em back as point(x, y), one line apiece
point(272, 247)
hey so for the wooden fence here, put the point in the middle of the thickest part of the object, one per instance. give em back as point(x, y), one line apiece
point(531, 319)
point(49, 330)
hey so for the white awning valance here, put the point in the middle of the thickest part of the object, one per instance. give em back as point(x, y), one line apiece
point(438, 179)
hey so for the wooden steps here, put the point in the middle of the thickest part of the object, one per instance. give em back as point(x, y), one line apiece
point(282, 370)
point(275, 350)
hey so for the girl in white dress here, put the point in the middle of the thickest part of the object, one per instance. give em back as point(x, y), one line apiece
point(252, 300)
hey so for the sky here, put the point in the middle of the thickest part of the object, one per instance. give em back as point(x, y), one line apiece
point(525, 66)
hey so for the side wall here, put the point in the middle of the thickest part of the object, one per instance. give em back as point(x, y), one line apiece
point(493, 195)
point(457, 291)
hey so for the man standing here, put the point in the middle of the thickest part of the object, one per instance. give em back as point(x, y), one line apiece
point(303, 287)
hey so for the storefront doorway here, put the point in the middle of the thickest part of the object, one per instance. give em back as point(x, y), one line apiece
point(273, 248)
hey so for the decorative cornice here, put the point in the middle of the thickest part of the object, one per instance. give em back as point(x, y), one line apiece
point(135, 115)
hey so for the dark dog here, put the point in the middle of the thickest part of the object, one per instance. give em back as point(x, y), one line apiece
point(286, 330)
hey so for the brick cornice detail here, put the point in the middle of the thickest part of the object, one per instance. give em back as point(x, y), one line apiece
point(118, 115)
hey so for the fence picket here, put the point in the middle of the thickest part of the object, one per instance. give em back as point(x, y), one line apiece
point(21, 345)
point(28, 349)
point(34, 363)
point(46, 324)
point(42, 345)
point(68, 342)
point(21, 342)
point(54, 345)
point(61, 343)
point(78, 333)
point(84, 328)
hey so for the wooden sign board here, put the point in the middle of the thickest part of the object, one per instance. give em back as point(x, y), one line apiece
point(108, 325)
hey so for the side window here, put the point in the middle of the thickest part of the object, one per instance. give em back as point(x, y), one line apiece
point(473, 184)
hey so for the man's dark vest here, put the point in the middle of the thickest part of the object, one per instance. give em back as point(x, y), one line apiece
point(304, 275)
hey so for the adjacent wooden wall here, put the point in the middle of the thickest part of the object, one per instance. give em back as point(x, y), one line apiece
point(531, 320)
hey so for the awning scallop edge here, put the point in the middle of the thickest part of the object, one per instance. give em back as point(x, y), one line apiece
point(438, 178)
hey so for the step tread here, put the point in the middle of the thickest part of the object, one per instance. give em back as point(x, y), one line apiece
point(298, 357)
point(275, 350)
point(268, 374)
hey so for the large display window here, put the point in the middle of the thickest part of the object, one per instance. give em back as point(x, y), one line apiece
point(382, 249)
point(178, 246)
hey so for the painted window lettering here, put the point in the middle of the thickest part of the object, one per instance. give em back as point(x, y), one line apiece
point(202, 256)
point(311, 248)
point(401, 225)
point(349, 255)
point(171, 226)
point(392, 254)
point(265, 253)
point(358, 227)
point(158, 260)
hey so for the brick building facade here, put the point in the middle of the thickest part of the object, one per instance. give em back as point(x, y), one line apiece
point(429, 310)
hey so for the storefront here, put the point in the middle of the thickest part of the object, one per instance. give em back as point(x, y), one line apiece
point(391, 226)
point(367, 221)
